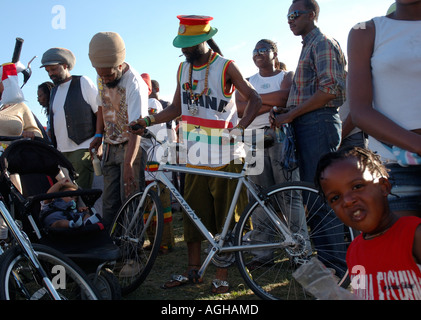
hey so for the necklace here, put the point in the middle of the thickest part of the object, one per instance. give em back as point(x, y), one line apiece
point(372, 236)
point(194, 97)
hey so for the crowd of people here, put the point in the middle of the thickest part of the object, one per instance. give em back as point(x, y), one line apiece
point(358, 115)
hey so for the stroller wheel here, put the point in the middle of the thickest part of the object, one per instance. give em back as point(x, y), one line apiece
point(107, 284)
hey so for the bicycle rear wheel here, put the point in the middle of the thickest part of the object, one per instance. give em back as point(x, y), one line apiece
point(316, 231)
point(137, 230)
point(21, 281)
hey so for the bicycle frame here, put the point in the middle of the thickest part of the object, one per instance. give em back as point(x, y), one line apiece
point(24, 243)
point(218, 243)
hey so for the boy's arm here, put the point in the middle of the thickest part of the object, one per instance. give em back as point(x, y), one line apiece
point(416, 249)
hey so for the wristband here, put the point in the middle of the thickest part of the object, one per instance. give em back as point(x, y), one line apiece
point(98, 135)
point(147, 121)
point(152, 118)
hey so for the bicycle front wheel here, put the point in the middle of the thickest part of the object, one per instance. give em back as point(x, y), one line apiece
point(21, 281)
point(137, 230)
point(315, 230)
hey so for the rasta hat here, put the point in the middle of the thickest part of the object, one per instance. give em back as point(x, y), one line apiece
point(107, 50)
point(193, 30)
point(391, 9)
point(56, 56)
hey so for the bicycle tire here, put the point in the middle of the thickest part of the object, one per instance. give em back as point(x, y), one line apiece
point(139, 244)
point(271, 278)
point(20, 280)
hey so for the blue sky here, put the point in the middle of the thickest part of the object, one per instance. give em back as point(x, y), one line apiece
point(149, 27)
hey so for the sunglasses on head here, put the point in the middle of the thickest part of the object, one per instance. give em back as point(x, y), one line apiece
point(296, 14)
point(261, 51)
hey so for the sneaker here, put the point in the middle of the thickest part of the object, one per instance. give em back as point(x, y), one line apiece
point(130, 269)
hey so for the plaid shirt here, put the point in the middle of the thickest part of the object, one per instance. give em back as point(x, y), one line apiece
point(321, 67)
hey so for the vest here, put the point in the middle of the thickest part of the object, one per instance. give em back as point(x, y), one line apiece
point(80, 120)
point(215, 111)
point(396, 70)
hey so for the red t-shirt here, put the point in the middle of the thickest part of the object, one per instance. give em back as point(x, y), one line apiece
point(383, 268)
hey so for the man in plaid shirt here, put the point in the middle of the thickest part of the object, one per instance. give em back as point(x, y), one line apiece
point(317, 92)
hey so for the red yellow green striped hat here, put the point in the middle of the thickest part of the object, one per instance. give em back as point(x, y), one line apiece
point(193, 30)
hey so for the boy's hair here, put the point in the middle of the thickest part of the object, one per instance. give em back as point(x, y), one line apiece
point(365, 157)
point(311, 5)
point(272, 44)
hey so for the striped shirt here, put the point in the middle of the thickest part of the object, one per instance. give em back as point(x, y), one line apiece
point(321, 67)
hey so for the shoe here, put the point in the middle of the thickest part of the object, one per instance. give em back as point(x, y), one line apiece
point(178, 280)
point(130, 269)
point(219, 286)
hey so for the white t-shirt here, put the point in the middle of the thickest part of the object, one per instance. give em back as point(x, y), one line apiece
point(396, 69)
point(89, 93)
point(162, 133)
point(122, 105)
point(265, 85)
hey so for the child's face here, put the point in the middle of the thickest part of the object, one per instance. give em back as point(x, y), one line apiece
point(68, 199)
point(358, 198)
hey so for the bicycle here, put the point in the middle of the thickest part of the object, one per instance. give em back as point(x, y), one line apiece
point(36, 272)
point(290, 241)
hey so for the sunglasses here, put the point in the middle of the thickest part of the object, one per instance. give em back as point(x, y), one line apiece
point(296, 14)
point(261, 51)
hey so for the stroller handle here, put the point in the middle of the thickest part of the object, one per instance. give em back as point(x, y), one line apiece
point(10, 138)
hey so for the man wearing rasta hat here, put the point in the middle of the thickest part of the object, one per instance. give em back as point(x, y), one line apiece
point(204, 99)
point(122, 98)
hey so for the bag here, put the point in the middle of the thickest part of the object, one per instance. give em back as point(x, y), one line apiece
point(289, 159)
point(404, 157)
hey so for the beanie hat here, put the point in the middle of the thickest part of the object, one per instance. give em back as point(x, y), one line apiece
point(55, 56)
point(107, 50)
point(193, 30)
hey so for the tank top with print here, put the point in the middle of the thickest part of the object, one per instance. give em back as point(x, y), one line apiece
point(205, 116)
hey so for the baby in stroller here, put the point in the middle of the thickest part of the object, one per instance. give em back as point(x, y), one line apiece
point(63, 212)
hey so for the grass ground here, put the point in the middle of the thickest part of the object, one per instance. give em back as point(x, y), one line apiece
point(175, 262)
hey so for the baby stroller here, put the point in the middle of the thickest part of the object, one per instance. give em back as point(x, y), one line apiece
point(38, 164)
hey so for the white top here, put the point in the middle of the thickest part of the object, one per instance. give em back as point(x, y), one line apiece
point(265, 85)
point(89, 93)
point(123, 104)
point(396, 69)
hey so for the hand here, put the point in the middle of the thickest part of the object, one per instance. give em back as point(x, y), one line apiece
point(28, 134)
point(95, 144)
point(139, 131)
point(129, 183)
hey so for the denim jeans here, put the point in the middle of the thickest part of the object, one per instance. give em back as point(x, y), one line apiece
point(317, 133)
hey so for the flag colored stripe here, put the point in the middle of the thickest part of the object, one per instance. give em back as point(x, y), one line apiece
point(217, 124)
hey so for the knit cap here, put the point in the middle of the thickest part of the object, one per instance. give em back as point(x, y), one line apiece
point(107, 50)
